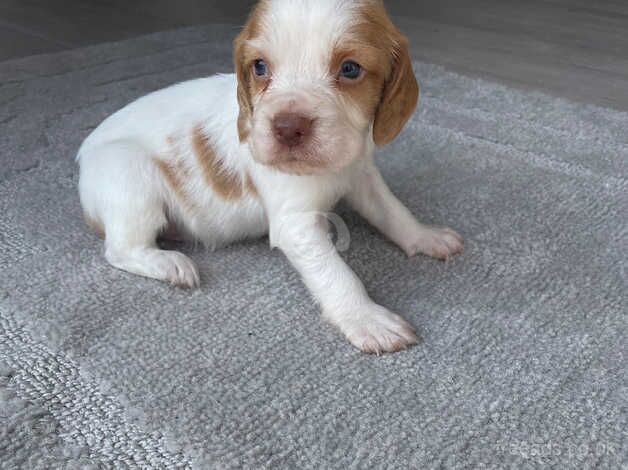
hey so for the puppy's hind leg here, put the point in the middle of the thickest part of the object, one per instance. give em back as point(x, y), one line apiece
point(139, 254)
point(121, 188)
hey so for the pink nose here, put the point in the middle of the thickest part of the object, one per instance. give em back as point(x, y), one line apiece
point(291, 129)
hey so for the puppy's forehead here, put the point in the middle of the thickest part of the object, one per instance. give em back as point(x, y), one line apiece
point(303, 33)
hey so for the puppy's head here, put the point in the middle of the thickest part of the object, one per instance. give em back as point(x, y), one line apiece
point(320, 81)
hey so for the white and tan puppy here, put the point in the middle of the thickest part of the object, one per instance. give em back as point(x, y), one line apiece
point(318, 84)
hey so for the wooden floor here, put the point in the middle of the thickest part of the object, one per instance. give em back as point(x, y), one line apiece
point(572, 48)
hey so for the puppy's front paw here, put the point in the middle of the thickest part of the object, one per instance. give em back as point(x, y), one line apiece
point(437, 242)
point(376, 330)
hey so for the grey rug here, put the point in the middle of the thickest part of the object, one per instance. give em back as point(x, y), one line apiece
point(522, 362)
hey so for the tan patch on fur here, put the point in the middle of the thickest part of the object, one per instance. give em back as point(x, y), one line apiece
point(226, 184)
point(376, 44)
point(366, 91)
point(250, 186)
point(175, 174)
point(243, 56)
point(96, 225)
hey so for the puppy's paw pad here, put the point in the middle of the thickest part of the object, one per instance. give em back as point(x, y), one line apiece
point(437, 242)
point(377, 331)
point(178, 269)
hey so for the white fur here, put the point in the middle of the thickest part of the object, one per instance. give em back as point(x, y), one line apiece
point(122, 189)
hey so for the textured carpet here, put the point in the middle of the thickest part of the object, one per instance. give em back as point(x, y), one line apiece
point(523, 355)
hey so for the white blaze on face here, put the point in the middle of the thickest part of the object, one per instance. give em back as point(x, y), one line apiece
point(297, 40)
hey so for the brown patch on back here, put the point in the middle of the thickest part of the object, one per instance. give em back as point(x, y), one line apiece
point(96, 225)
point(389, 82)
point(175, 174)
point(225, 183)
point(250, 186)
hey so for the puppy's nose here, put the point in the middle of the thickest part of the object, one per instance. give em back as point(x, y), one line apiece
point(291, 129)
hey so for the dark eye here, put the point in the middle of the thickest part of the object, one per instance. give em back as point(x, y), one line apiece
point(260, 67)
point(350, 70)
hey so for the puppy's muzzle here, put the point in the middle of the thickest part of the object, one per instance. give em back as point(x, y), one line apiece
point(292, 129)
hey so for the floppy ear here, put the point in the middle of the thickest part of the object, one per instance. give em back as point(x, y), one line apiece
point(242, 68)
point(399, 97)
point(243, 76)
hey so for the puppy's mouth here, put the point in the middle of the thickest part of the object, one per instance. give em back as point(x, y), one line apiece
point(302, 159)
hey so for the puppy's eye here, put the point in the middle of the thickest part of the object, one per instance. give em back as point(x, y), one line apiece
point(350, 70)
point(260, 68)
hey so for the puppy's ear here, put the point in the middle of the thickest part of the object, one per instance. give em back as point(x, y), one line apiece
point(243, 75)
point(400, 94)
point(243, 68)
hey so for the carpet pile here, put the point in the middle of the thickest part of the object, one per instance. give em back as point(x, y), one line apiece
point(522, 360)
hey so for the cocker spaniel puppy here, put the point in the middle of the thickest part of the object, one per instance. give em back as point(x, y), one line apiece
point(318, 84)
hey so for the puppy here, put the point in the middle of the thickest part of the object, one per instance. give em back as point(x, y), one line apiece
point(318, 84)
